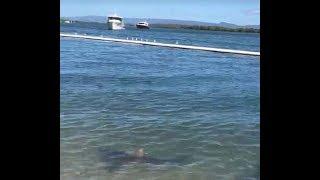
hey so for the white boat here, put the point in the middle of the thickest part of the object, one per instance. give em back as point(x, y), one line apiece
point(115, 22)
point(142, 25)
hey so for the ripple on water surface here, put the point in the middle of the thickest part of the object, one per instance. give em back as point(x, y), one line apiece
point(198, 110)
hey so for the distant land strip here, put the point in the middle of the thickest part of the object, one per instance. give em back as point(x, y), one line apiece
point(169, 26)
point(208, 28)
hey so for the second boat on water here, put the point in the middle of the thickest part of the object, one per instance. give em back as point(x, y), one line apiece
point(142, 25)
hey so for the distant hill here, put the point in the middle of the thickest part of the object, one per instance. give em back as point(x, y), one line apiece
point(102, 19)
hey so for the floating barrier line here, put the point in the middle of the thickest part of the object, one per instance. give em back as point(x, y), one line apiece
point(162, 44)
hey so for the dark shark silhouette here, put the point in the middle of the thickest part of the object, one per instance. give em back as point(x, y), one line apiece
point(116, 159)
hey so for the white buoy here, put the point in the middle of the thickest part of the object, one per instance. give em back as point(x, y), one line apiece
point(154, 40)
point(127, 38)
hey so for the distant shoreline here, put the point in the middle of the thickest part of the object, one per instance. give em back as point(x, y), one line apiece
point(174, 26)
point(208, 28)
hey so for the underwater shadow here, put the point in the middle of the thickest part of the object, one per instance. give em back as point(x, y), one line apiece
point(116, 159)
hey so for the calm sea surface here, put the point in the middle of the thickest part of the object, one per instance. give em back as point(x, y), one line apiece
point(195, 113)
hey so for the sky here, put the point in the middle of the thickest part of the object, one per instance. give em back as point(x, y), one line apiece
point(241, 12)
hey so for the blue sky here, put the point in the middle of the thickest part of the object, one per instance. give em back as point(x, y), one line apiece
point(241, 12)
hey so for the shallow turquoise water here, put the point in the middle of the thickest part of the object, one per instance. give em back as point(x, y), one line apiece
point(201, 106)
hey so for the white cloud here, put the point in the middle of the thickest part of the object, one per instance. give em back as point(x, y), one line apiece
point(252, 12)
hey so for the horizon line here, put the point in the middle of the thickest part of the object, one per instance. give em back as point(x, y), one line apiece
point(170, 19)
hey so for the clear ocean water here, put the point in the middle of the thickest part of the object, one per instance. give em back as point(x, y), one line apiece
point(195, 113)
